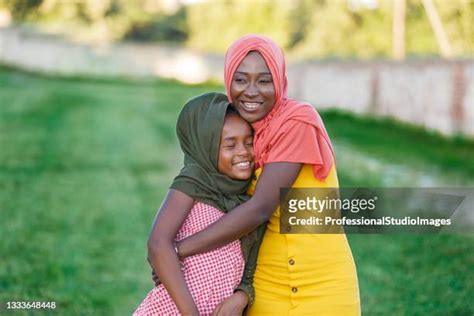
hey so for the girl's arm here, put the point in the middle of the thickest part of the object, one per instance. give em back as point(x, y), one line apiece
point(247, 216)
point(161, 253)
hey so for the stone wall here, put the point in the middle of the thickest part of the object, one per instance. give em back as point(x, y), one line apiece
point(436, 94)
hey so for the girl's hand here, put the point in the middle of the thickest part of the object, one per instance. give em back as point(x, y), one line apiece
point(232, 306)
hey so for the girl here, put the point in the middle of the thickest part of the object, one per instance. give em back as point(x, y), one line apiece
point(218, 163)
point(295, 274)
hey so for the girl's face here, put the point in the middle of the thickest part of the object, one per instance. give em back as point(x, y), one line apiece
point(236, 148)
point(252, 90)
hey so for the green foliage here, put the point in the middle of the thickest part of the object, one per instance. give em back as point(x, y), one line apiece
point(336, 30)
point(214, 26)
point(420, 39)
point(330, 28)
point(341, 30)
point(304, 28)
point(92, 20)
point(458, 17)
point(161, 28)
point(21, 9)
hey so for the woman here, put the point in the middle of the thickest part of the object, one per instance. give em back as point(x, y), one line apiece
point(296, 274)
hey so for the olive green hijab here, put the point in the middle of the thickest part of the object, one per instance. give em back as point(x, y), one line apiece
point(199, 129)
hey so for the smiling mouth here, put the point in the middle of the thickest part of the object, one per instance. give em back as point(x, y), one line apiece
point(243, 164)
point(250, 106)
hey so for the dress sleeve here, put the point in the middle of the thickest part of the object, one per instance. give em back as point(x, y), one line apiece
point(296, 142)
point(246, 284)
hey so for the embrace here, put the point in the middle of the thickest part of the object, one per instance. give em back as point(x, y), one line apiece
point(215, 245)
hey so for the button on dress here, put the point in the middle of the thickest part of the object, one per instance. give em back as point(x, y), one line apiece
point(304, 274)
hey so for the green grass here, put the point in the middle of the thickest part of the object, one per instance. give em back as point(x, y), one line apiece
point(85, 163)
point(402, 143)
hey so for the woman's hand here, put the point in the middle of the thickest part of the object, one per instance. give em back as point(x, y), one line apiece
point(232, 306)
point(155, 278)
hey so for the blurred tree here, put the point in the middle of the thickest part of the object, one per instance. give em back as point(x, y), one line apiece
point(458, 20)
point(103, 20)
point(304, 28)
point(363, 28)
point(96, 20)
point(299, 20)
point(20, 9)
point(339, 30)
point(162, 28)
point(213, 26)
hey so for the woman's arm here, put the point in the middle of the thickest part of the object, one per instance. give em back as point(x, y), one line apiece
point(244, 294)
point(161, 253)
point(247, 216)
point(246, 283)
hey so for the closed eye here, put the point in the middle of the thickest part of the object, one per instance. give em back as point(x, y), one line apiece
point(228, 145)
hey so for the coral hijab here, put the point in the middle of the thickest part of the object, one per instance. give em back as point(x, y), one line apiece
point(272, 141)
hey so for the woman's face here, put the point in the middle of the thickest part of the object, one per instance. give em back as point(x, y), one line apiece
point(252, 90)
point(236, 148)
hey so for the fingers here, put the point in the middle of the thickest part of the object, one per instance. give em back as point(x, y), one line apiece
point(155, 278)
point(157, 281)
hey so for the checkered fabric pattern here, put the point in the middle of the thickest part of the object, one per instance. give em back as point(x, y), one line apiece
point(211, 277)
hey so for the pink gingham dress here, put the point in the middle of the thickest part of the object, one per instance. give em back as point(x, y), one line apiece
point(211, 277)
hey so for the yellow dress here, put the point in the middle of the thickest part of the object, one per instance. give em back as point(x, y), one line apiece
point(304, 274)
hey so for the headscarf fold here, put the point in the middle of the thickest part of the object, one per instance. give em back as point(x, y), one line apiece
point(199, 129)
point(285, 110)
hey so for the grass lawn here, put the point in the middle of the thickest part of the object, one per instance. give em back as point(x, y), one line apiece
point(84, 165)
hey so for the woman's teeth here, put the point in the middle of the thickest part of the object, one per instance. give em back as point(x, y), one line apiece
point(243, 164)
point(251, 105)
